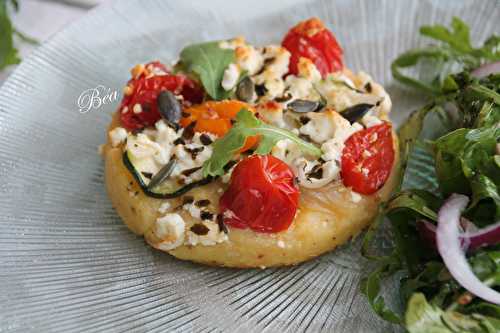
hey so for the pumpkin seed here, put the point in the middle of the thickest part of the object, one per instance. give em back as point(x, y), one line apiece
point(245, 90)
point(356, 112)
point(163, 174)
point(169, 107)
point(303, 106)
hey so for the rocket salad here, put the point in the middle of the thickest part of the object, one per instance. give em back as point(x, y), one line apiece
point(445, 220)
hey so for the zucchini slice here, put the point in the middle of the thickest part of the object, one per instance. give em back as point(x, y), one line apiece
point(168, 189)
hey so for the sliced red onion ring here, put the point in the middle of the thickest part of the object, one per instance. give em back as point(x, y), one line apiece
point(471, 239)
point(486, 70)
point(448, 242)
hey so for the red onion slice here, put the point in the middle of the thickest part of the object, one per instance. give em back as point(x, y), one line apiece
point(469, 240)
point(486, 70)
point(489, 235)
point(448, 242)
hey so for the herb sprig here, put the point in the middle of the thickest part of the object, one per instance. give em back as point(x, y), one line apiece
point(248, 125)
point(454, 53)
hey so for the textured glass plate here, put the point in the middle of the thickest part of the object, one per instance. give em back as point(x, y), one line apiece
point(68, 263)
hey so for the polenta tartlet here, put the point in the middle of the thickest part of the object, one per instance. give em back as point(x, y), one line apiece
point(246, 156)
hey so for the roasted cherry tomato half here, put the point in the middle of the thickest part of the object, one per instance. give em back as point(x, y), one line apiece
point(262, 195)
point(143, 89)
point(312, 40)
point(215, 117)
point(367, 159)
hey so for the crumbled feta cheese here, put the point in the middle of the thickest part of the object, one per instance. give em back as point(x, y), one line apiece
point(117, 135)
point(272, 113)
point(249, 59)
point(287, 151)
point(355, 197)
point(331, 171)
point(125, 109)
point(277, 59)
point(164, 207)
point(324, 125)
point(214, 236)
point(147, 155)
point(230, 78)
point(170, 229)
point(376, 90)
point(281, 244)
point(187, 160)
point(340, 95)
point(369, 120)
point(137, 108)
point(193, 210)
point(301, 88)
point(308, 70)
point(165, 136)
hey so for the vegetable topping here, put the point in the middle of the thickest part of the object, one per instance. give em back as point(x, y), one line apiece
point(312, 40)
point(266, 119)
point(262, 195)
point(367, 159)
point(216, 117)
point(139, 107)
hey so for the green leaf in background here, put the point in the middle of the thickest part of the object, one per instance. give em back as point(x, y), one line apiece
point(431, 65)
point(8, 53)
point(248, 125)
point(458, 37)
point(208, 61)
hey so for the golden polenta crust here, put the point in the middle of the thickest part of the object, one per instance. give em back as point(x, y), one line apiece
point(326, 218)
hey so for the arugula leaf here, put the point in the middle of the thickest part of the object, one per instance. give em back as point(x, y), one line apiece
point(248, 125)
point(435, 63)
point(208, 61)
point(8, 53)
point(458, 38)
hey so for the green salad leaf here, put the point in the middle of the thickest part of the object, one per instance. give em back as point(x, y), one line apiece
point(448, 146)
point(423, 317)
point(8, 53)
point(208, 61)
point(248, 125)
point(452, 55)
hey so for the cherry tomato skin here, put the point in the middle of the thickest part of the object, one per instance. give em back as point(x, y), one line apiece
point(367, 159)
point(312, 40)
point(262, 195)
point(144, 91)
